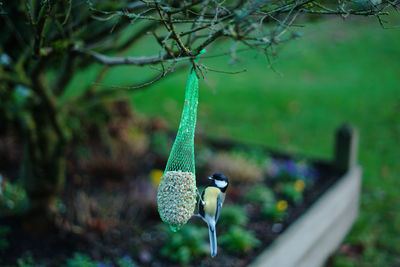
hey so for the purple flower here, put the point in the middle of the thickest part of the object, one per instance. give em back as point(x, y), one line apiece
point(290, 167)
point(302, 168)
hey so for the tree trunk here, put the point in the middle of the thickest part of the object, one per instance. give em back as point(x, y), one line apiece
point(43, 169)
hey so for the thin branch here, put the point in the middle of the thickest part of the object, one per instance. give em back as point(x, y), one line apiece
point(43, 16)
point(171, 28)
point(177, 37)
point(211, 39)
point(141, 85)
point(131, 88)
point(47, 98)
point(222, 71)
point(164, 45)
point(112, 61)
point(10, 79)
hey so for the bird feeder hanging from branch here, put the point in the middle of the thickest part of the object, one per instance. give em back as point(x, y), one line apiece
point(176, 196)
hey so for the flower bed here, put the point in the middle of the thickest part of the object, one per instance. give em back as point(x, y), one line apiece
point(109, 213)
point(319, 232)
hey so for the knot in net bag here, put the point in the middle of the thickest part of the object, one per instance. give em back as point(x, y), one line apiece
point(176, 196)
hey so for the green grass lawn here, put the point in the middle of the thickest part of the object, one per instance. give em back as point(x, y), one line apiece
point(340, 71)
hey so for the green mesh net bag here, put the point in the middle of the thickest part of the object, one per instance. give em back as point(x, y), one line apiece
point(176, 196)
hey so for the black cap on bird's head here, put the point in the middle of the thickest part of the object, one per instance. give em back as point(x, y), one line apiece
point(220, 181)
point(219, 177)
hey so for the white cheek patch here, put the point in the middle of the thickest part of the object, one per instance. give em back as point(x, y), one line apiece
point(221, 184)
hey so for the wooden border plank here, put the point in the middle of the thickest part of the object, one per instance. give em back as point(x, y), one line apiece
point(318, 232)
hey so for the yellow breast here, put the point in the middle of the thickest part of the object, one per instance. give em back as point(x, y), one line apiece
point(210, 197)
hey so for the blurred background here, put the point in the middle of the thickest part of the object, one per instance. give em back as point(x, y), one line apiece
point(269, 128)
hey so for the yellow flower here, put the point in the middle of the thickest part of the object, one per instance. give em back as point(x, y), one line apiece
point(155, 176)
point(299, 185)
point(281, 205)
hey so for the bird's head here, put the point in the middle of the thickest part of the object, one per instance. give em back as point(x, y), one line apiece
point(220, 181)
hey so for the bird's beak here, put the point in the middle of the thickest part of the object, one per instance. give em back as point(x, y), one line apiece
point(210, 177)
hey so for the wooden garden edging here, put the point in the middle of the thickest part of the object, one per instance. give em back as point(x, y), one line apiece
point(310, 240)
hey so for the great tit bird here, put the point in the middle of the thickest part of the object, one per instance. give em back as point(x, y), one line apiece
point(210, 206)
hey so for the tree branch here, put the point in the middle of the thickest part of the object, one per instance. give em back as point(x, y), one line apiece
point(43, 16)
point(47, 99)
point(112, 61)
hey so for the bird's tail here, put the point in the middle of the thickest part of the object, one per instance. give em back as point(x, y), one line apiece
point(213, 239)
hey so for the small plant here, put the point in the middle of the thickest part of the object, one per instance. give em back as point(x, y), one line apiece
point(259, 194)
point(238, 240)
point(13, 199)
point(294, 191)
point(233, 215)
point(126, 261)
point(81, 260)
point(276, 211)
point(26, 260)
point(189, 242)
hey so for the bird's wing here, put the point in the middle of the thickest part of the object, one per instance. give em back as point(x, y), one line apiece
point(220, 201)
point(201, 205)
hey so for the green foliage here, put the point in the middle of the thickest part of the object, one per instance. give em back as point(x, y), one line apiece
point(289, 191)
point(259, 194)
point(13, 199)
point(26, 260)
point(341, 261)
point(190, 242)
point(4, 230)
point(126, 261)
point(238, 240)
point(274, 211)
point(83, 260)
point(13, 103)
point(233, 215)
point(80, 260)
point(235, 238)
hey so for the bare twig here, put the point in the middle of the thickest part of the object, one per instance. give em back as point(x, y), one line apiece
point(164, 72)
point(39, 25)
point(113, 61)
point(222, 71)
